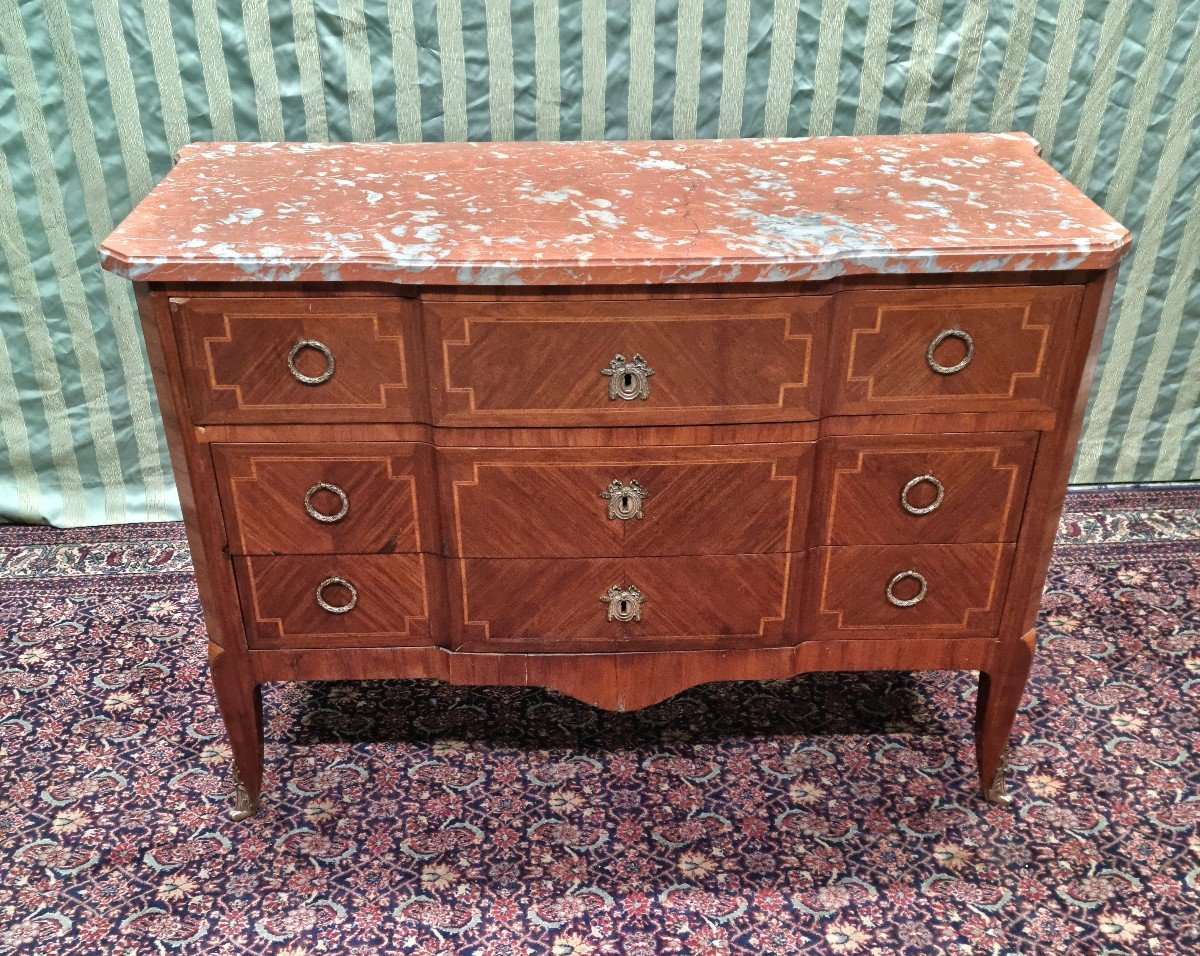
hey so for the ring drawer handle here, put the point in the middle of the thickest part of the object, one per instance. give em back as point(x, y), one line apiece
point(938, 340)
point(907, 602)
point(628, 379)
point(913, 509)
point(624, 604)
point(332, 489)
point(311, 379)
point(336, 608)
point(625, 500)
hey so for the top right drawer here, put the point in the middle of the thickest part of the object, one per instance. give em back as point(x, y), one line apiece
point(951, 349)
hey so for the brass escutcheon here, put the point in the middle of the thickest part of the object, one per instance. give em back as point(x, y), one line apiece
point(628, 380)
point(624, 501)
point(624, 604)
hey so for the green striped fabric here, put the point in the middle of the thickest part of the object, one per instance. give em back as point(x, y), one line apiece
point(96, 95)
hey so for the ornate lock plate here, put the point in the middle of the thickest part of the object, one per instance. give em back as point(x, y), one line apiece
point(624, 604)
point(625, 501)
point(628, 379)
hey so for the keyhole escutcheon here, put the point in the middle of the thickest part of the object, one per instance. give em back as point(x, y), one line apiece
point(625, 500)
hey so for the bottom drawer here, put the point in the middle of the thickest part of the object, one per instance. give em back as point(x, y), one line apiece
point(889, 591)
point(343, 600)
point(588, 604)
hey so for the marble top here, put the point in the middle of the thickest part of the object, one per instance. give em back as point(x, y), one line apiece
point(752, 210)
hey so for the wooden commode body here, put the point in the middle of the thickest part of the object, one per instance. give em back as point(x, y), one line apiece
point(621, 418)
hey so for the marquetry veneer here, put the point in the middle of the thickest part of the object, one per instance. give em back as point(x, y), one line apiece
point(713, 447)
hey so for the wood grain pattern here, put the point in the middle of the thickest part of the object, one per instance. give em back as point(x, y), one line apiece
point(1001, 685)
point(540, 362)
point(860, 481)
point(194, 478)
point(644, 436)
point(555, 604)
point(546, 503)
point(389, 488)
point(1021, 335)
point(400, 602)
point(235, 355)
point(676, 292)
point(1052, 468)
point(239, 698)
point(237, 691)
point(965, 590)
point(619, 681)
point(731, 590)
point(1003, 677)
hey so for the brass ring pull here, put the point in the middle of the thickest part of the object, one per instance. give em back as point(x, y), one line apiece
point(624, 604)
point(332, 489)
point(912, 509)
point(938, 340)
point(336, 608)
point(907, 602)
point(625, 500)
point(310, 379)
point(627, 380)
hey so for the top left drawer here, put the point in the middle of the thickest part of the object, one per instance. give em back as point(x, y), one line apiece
point(277, 360)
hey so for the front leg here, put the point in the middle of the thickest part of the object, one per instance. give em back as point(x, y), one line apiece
point(240, 701)
point(1001, 686)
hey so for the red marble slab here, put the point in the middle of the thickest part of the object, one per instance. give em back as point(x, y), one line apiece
point(758, 210)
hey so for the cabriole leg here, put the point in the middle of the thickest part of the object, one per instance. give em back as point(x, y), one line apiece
point(240, 701)
point(1001, 687)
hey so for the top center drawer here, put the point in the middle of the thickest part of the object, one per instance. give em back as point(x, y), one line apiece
point(558, 362)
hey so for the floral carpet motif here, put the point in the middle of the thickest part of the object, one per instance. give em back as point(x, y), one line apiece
point(826, 814)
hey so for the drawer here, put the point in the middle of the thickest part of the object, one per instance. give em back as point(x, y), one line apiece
point(626, 362)
point(370, 497)
point(613, 502)
point(865, 591)
point(394, 600)
point(922, 488)
point(953, 349)
point(577, 605)
point(331, 359)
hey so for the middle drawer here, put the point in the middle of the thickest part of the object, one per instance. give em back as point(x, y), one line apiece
point(908, 489)
point(625, 502)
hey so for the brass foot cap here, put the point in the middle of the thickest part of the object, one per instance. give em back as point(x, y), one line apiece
point(243, 807)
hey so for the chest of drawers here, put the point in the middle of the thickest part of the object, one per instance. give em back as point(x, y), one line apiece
point(619, 419)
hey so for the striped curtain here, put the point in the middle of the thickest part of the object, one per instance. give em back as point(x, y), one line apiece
point(95, 95)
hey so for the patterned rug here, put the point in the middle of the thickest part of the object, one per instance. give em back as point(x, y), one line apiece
point(826, 814)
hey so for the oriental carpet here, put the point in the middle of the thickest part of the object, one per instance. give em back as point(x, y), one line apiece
point(825, 814)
